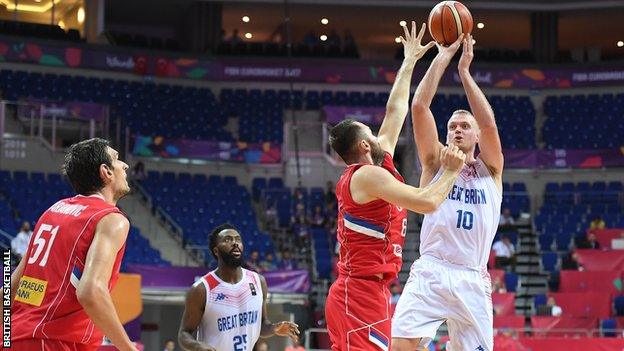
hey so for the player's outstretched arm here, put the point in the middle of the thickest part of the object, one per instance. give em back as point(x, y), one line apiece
point(372, 182)
point(489, 140)
point(423, 122)
point(192, 316)
point(283, 328)
point(398, 101)
point(92, 291)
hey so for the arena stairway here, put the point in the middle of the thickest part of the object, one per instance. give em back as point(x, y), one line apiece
point(155, 231)
point(531, 280)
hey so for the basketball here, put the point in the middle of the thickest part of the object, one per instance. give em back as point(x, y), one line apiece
point(448, 20)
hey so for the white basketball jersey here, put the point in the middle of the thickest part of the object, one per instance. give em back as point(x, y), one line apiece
point(461, 230)
point(233, 314)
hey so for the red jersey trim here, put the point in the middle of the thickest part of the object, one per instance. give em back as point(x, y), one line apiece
point(212, 281)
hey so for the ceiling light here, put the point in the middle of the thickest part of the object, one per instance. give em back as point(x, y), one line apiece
point(323, 37)
point(248, 35)
point(620, 44)
point(403, 23)
point(80, 15)
point(61, 24)
point(246, 19)
point(324, 21)
point(37, 0)
point(480, 25)
point(39, 8)
point(397, 40)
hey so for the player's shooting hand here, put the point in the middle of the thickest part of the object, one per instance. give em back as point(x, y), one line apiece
point(467, 54)
point(285, 328)
point(412, 47)
point(452, 158)
point(447, 52)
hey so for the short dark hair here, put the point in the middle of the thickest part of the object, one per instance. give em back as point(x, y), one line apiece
point(212, 239)
point(82, 165)
point(343, 138)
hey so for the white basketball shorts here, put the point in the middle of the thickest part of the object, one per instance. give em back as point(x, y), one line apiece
point(438, 291)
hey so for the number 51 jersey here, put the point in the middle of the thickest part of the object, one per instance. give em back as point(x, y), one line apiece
point(46, 306)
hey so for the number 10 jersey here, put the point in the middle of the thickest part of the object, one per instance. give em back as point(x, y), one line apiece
point(461, 230)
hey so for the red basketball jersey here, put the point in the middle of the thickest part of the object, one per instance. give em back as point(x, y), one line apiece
point(46, 306)
point(370, 235)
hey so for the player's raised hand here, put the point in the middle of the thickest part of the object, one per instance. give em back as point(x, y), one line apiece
point(467, 54)
point(285, 328)
point(452, 158)
point(412, 48)
point(448, 52)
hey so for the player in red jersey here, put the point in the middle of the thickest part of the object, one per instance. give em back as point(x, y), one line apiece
point(60, 291)
point(372, 217)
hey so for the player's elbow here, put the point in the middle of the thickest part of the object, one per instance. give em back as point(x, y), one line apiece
point(430, 206)
point(418, 107)
point(89, 294)
point(394, 109)
point(424, 206)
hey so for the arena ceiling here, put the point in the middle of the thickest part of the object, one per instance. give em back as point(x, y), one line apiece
point(524, 5)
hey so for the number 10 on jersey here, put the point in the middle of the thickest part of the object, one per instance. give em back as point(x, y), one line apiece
point(465, 219)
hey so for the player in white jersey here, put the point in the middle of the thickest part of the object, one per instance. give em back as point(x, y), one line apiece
point(227, 307)
point(450, 282)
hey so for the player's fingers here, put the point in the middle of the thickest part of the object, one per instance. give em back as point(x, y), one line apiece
point(430, 45)
point(458, 41)
point(421, 34)
point(413, 29)
point(402, 40)
point(406, 31)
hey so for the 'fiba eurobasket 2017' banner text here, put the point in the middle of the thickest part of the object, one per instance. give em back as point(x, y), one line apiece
point(153, 63)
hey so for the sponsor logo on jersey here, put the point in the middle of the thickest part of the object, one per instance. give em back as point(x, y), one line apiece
point(252, 287)
point(479, 348)
point(31, 290)
point(398, 250)
point(220, 297)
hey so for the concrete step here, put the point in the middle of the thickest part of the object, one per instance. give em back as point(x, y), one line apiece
point(524, 269)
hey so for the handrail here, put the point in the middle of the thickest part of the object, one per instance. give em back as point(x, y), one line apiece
point(177, 233)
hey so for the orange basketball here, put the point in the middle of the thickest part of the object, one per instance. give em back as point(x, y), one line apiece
point(448, 20)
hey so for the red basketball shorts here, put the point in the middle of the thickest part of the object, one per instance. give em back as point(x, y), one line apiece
point(359, 315)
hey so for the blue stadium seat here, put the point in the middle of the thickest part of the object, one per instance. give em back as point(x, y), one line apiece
point(608, 327)
point(549, 261)
point(618, 305)
point(545, 242)
point(539, 300)
point(511, 281)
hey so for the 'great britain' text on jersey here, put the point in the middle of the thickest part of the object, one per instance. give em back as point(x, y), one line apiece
point(468, 196)
point(237, 320)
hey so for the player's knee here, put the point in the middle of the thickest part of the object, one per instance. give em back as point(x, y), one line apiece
point(402, 344)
